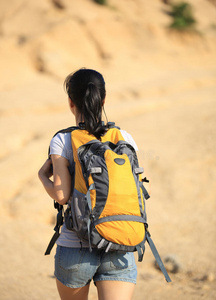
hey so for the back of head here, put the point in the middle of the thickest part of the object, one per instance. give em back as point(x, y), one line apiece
point(86, 88)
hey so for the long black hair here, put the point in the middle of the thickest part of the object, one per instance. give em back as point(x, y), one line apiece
point(86, 88)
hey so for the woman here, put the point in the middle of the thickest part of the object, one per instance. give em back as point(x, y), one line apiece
point(114, 274)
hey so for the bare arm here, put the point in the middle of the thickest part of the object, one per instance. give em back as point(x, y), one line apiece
point(60, 188)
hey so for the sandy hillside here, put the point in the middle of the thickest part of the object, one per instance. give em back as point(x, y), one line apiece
point(161, 87)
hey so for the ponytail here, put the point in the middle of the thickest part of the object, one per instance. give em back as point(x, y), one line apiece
point(86, 88)
point(92, 111)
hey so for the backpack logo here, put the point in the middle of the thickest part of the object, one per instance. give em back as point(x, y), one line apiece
point(119, 161)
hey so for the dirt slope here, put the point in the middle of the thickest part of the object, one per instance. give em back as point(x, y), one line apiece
point(161, 87)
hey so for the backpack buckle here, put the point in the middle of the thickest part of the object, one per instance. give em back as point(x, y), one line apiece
point(145, 180)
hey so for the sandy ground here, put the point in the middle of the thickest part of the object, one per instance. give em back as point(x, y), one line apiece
point(161, 88)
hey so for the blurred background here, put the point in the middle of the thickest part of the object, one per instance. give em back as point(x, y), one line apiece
point(158, 59)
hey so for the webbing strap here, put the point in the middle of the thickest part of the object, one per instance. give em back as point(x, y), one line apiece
point(89, 234)
point(145, 193)
point(59, 222)
point(88, 198)
point(140, 249)
point(52, 243)
point(119, 218)
point(157, 257)
point(139, 253)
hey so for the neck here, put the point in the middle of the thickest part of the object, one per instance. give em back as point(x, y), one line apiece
point(78, 119)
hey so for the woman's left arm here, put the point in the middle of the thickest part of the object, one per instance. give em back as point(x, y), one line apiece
point(60, 188)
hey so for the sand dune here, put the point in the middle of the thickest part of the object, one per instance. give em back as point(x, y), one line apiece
point(161, 88)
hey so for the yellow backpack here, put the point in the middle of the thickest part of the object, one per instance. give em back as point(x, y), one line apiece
point(107, 206)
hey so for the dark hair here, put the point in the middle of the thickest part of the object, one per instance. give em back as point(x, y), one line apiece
point(86, 88)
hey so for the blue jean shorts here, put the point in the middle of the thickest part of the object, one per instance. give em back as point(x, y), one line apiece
point(75, 267)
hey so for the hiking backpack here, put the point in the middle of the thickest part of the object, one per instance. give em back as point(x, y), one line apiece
point(107, 206)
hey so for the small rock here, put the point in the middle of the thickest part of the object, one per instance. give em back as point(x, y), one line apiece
point(211, 277)
point(207, 277)
point(58, 4)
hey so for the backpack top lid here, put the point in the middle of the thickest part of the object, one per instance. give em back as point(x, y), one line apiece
point(80, 137)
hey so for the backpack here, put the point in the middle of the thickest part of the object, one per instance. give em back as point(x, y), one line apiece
point(107, 206)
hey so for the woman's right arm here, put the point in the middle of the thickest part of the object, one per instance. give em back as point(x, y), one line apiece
point(60, 188)
point(57, 166)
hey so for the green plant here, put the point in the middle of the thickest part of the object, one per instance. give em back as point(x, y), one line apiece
point(101, 2)
point(182, 15)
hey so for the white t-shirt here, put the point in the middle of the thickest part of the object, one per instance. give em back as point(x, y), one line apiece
point(61, 145)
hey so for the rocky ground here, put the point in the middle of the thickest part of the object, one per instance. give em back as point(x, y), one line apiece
point(161, 87)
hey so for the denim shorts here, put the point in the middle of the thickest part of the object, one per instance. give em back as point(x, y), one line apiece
point(75, 267)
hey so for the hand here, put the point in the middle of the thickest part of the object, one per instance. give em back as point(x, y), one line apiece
point(46, 170)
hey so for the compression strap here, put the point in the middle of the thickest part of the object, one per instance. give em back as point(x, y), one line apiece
point(157, 256)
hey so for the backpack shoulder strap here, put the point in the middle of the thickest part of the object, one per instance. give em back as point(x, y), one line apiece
point(112, 125)
point(66, 130)
point(59, 222)
point(59, 218)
